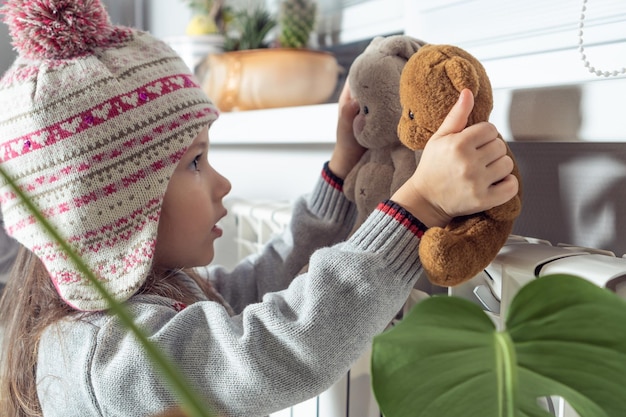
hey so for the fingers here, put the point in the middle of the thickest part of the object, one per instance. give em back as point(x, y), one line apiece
point(456, 120)
point(493, 155)
point(498, 169)
point(502, 191)
point(345, 95)
point(491, 150)
point(348, 106)
point(347, 112)
point(347, 151)
point(499, 183)
point(479, 135)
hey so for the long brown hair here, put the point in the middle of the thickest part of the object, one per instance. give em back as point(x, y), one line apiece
point(29, 304)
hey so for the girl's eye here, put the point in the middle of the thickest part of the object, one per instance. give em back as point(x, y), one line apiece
point(196, 163)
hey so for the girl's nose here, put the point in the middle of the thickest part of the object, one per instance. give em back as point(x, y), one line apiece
point(225, 185)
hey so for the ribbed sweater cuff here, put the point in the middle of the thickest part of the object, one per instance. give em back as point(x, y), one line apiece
point(328, 200)
point(330, 177)
point(395, 232)
point(403, 216)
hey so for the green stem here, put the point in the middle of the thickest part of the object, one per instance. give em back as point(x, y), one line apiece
point(505, 365)
point(191, 402)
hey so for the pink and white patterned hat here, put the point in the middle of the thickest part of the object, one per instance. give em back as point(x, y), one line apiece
point(93, 120)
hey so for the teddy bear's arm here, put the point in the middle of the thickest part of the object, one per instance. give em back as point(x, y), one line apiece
point(404, 163)
point(349, 183)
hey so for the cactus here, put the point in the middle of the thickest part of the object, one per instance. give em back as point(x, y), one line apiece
point(297, 21)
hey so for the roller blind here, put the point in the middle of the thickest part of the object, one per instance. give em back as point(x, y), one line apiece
point(527, 40)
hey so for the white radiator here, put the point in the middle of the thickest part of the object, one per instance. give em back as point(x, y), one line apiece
point(257, 222)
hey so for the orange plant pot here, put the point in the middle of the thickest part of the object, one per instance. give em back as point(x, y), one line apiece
point(269, 78)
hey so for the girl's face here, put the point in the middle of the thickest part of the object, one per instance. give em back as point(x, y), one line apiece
point(192, 206)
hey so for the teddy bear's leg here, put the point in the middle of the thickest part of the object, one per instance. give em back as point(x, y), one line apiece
point(457, 253)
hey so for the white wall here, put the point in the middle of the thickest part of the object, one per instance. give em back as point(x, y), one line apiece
point(166, 17)
point(7, 55)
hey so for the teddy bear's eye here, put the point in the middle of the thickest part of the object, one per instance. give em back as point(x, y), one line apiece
point(366, 110)
point(411, 115)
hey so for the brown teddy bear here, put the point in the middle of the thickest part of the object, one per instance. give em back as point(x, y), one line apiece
point(430, 85)
point(374, 79)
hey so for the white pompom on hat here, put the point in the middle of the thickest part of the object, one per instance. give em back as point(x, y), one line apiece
point(93, 121)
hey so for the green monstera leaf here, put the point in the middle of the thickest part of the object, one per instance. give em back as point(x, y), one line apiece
point(563, 336)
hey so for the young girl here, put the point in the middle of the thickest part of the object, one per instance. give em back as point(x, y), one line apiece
point(107, 132)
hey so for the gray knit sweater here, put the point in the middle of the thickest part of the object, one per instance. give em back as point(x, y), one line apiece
point(289, 339)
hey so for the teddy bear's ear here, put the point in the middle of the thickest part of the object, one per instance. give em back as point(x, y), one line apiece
point(376, 41)
point(401, 46)
point(462, 74)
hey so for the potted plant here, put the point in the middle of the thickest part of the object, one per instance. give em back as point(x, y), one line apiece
point(261, 69)
point(563, 336)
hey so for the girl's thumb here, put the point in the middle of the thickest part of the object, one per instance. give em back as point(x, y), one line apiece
point(456, 120)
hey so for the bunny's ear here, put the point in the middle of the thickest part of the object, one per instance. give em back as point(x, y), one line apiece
point(462, 74)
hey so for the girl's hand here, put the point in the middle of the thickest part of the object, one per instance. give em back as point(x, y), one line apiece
point(347, 151)
point(462, 170)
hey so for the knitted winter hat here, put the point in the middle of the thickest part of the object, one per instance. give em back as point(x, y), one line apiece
point(93, 120)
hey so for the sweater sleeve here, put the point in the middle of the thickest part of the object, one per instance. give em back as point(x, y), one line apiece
point(275, 353)
point(320, 219)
